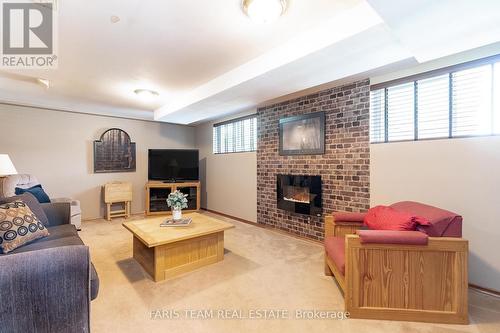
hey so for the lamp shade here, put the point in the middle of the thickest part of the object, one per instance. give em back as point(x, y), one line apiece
point(6, 166)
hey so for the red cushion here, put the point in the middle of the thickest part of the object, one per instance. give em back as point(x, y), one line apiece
point(349, 216)
point(388, 218)
point(392, 237)
point(335, 249)
point(442, 223)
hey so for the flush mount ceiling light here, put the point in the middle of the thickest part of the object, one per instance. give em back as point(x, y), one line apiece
point(43, 82)
point(146, 94)
point(114, 19)
point(264, 11)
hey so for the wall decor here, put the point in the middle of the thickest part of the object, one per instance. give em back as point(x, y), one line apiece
point(114, 152)
point(302, 135)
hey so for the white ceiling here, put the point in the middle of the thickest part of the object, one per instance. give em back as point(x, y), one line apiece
point(207, 59)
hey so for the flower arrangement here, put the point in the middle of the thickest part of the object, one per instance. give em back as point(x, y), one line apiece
point(177, 200)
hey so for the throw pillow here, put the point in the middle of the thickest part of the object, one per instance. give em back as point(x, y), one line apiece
point(37, 191)
point(387, 218)
point(32, 203)
point(18, 226)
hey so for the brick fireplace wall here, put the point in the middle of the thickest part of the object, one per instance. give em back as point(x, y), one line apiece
point(344, 168)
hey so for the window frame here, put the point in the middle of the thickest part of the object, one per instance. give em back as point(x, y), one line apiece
point(449, 70)
point(232, 121)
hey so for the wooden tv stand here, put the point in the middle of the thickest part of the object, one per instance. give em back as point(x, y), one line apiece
point(158, 191)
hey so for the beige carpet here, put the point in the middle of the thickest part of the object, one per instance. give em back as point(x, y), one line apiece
point(262, 270)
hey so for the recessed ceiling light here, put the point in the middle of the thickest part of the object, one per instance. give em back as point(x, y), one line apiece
point(146, 94)
point(115, 19)
point(264, 11)
point(43, 82)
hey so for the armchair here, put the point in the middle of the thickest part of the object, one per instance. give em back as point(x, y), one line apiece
point(400, 275)
point(8, 185)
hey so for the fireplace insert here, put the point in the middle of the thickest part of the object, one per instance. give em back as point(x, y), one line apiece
point(299, 194)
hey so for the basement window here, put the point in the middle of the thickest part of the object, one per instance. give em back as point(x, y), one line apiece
point(457, 101)
point(235, 136)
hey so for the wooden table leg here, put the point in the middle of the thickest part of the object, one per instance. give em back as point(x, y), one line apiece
point(108, 211)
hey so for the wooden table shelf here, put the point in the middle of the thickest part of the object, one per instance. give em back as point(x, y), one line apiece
point(157, 193)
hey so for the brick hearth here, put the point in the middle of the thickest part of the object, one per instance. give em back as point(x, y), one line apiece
point(344, 167)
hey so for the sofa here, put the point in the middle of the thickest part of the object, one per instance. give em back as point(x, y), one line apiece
point(8, 186)
point(418, 275)
point(47, 285)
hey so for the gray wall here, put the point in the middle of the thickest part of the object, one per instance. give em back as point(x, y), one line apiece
point(57, 148)
point(228, 181)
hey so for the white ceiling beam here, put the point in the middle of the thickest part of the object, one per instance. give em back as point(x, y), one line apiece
point(432, 29)
point(340, 27)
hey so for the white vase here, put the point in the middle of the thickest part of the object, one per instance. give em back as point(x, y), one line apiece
point(176, 214)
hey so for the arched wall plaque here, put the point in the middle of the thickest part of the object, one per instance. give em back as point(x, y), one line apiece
point(114, 152)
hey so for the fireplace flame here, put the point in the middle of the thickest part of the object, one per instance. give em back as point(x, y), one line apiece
point(295, 200)
point(301, 196)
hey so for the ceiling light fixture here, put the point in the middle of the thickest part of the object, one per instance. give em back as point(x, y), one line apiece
point(146, 94)
point(264, 11)
point(114, 19)
point(43, 82)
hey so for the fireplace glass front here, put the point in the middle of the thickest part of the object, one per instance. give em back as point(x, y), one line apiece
point(299, 194)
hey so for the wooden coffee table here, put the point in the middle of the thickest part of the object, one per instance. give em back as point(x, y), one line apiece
point(165, 252)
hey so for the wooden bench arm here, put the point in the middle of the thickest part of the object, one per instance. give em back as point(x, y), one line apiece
point(434, 244)
point(340, 228)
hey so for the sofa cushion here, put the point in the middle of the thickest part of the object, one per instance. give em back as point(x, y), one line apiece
point(335, 249)
point(58, 213)
point(442, 223)
point(388, 218)
point(37, 192)
point(51, 243)
point(18, 226)
point(60, 231)
point(61, 235)
point(32, 203)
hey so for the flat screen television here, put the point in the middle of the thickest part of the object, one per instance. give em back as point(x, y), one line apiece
point(173, 165)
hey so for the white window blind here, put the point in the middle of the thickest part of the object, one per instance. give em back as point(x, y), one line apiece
point(496, 99)
point(457, 103)
point(433, 107)
point(235, 136)
point(472, 101)
point(400, 112)
point(377, 116)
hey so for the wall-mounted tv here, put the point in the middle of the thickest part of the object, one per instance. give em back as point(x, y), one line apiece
point(173, 165)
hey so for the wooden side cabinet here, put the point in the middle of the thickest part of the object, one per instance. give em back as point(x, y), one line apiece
point(157, 193)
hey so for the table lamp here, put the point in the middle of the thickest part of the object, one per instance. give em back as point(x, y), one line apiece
point(6, 166)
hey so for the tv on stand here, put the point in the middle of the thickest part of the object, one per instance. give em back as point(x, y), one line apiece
point(173, 165)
